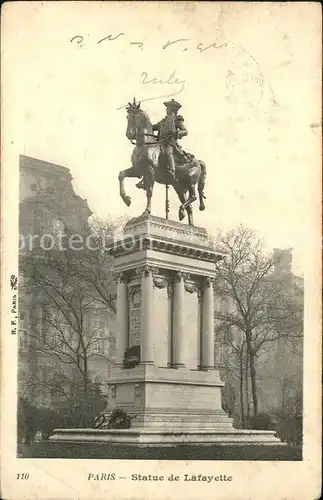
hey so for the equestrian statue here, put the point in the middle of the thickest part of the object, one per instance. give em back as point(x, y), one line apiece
point(157, 156)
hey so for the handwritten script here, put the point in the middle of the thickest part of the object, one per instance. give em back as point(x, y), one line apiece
point(182, 44)
point(172, 79)
point(171, 82)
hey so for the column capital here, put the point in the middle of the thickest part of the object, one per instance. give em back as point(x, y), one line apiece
point(190, 284)
point(147, 270)
point(120, 277)
point(179, 275)
point(209, 281)
point(160, 282)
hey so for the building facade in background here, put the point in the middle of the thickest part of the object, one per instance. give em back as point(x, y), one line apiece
point(48, 204)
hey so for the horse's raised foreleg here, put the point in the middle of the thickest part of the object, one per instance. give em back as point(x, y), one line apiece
point(129, 172)
point(150, 180)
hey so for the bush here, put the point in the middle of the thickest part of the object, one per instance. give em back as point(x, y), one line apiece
point(77, 411)
point(80, 410)
point(290, 429)
point(32, 418)
point(26, 421)
point(261, 421)
point(48, 421)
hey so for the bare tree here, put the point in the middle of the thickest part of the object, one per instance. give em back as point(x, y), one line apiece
point(260, 306)
point(95, 264)
point(69, 283)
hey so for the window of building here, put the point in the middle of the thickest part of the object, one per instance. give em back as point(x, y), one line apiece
point(224, 305)
point(57, 227)
point(103, 345)
point(23, 320)
point(43, 374)
point(66, 332)
point(56, 330)
point(219, 354)
point(99, 345)
point(96, 346)
point(99, 326)
point(228, 334)
point(99, 331)
point(23, 338)
point(57, 342)
point(55, 393)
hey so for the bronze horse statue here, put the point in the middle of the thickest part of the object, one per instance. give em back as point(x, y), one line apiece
point(147, 160)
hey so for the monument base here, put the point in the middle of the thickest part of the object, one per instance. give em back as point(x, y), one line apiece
point(168, 399)
point(152, 437)
point(168, 406)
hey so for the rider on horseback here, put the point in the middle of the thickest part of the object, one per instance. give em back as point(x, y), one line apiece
point(160, 159)
point(169, 130)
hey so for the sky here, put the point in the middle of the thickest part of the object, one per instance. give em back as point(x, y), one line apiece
point(248, 78)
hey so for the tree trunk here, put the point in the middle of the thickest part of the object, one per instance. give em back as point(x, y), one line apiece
point(241, 392)
point(247, 385)
point(252, 373)
point(253, 384)
point(85, 373)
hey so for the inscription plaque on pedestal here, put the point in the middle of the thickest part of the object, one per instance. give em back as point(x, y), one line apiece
point(134, 315)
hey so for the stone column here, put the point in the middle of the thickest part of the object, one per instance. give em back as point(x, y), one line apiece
point(122, 319)
point(178, 322)
point(146, 327)
point(207, 358)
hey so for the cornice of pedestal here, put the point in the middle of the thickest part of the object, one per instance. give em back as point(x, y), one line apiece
point(155, 233)
point(194, 251)
point(153, 373)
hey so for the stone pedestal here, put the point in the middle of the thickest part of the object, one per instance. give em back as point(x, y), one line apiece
point(165, 305)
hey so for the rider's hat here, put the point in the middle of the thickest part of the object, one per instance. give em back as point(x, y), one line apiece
point(173, 104)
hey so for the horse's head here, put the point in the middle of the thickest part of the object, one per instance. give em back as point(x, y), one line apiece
point(133, 109)
point(138, 121)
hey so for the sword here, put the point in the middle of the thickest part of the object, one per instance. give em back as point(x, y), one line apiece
point(167, 202)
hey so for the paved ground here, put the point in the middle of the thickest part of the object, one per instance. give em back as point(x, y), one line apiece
point(48, 449)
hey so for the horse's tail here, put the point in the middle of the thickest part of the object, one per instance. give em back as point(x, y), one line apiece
point(201, 184)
